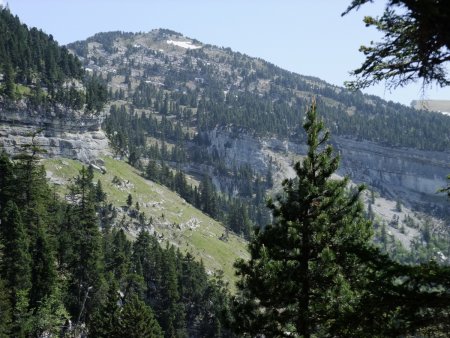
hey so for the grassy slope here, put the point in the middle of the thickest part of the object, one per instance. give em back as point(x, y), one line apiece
point(156, 200)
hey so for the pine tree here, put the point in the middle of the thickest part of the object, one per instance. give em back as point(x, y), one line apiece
point(100, 195)
point(138, 321)
point(15, 267)
point(43, 272)
point(5, 311)
point(170, 310)
point(105, 319)
point(303, 273)
point(16, 260)
point(85, 244)
point(146, 261)
point(9, 89)
point(129, 200)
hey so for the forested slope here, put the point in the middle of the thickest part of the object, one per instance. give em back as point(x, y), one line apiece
point(37, 69)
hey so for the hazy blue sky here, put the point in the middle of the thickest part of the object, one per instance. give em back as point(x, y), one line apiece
point(307, 37)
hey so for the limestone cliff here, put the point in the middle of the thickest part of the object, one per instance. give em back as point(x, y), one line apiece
point(60, 131)
point(410, 174)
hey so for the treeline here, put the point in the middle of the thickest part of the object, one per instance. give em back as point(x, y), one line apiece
point(65, 270)
point(35, 67)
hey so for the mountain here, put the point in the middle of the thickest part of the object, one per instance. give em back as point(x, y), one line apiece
point(77, 259)
point(44, 87)
point(91, 249)
point(234, 110)
point(51, 107)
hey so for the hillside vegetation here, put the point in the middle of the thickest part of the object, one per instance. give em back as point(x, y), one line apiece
point(203, 86)
point(37, 69)
point(170, 217)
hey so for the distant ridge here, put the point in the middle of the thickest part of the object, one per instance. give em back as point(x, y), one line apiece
point(442, 106)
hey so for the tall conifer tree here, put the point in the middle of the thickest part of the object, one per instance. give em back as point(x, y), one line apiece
point(302, 273)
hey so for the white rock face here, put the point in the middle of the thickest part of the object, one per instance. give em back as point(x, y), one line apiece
point(413, 174)
point(410, 174)
point(59, 132)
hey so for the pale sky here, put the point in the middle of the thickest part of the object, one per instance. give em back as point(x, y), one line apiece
point(306, 37)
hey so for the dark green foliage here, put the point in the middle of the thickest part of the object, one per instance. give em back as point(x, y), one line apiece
point(96, 94)
point(9, 87)
point(16, 267)
point(43, 271)
point(185, 302)
point(104, 321)
point(37, 307)
point(5, 311)
point(30, 58)
point(129, 200)
point(415, 44)
point(6, 179)
point(117, 255)
point(36, 290)
point(16, 259)
point(85, 265)
point(314, 271)
point(32, 51)
point(138, 321)
point(403, 299)
point(100, 195)
point(208, 196)
point(302, 274)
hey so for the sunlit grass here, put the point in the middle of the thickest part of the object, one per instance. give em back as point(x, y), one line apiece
point(167, 208)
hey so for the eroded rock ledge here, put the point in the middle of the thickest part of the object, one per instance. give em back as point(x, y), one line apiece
point(410, 174)
point(59, 131)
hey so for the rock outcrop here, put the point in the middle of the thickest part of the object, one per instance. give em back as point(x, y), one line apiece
point(58, 131)
point(412, 175)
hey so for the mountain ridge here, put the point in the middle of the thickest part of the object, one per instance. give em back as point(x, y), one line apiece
point(213, 87)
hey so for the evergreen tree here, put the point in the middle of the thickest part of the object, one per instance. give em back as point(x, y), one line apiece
point(6, 179)
point(86, 264)
point(43, 272)
point(16, 260)
point(100, 195)
point(303, 272)
point(129, 200)
point(138, 321)
point(146, 261)
point(5, 311)
point(9, 88)
point(50, 316)
point(208, 196)
point(170, 310)
point(415, 44)
point(16, 267)
point(105, 319)
point(117, 255)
